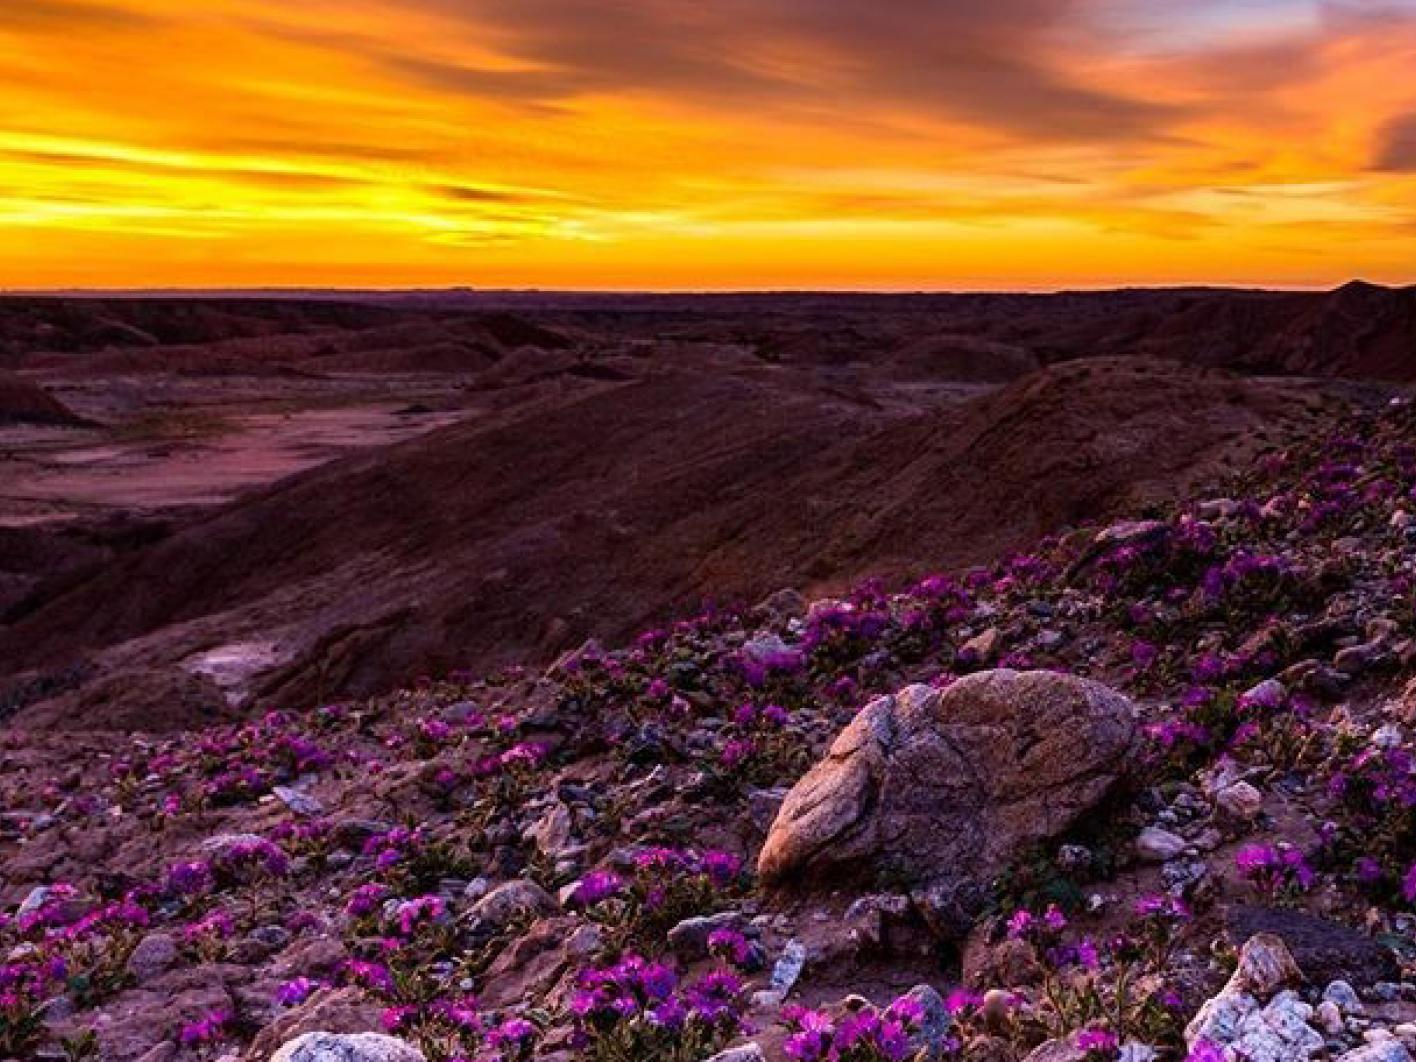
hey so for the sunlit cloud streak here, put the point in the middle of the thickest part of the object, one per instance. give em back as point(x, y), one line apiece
point(668, 143)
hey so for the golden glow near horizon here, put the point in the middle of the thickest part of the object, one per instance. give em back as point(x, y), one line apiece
point(682, 144)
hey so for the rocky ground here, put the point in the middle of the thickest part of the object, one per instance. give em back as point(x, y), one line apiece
point(1143, 791)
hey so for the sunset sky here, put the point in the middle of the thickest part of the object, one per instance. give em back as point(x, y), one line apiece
point(706, 143)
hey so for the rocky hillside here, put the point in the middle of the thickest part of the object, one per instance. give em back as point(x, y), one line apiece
point(507, 539)
point(1138, 791)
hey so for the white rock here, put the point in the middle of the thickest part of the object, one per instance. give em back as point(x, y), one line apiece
point(1385, 1051)
point(347, 1047)
point(36, 898)
point(789, 967)
point(1387, 736)
point(235, 667)
point(1279, 1033)
point(745, 1053)
point(1220, 1018)
point(1265, 967)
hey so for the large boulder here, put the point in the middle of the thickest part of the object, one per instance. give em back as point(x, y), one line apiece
point(945, 788)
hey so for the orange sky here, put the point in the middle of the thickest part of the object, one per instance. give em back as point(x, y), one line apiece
point(706, 143)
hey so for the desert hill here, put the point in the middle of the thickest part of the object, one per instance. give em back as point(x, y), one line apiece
point(1358, 331)
point(511, 538)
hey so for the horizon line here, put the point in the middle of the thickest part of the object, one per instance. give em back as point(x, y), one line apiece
point(295, 290)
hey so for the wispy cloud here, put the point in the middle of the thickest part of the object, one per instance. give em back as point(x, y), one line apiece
point(1396, 145)
point(68, 15)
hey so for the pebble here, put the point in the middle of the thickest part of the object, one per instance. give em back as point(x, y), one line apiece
point(1329, 1017)
point(1344, 996)
point(789, 967)
point(299, 802)
point(1240, 800)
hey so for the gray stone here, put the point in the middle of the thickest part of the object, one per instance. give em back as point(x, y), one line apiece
point(1269, 693)
point(1220, 1018)
point(511, 900)
point(271, 936)
point(1344, 996)
point(155, 954)
point(301, 803)
point(1155, 845)
point(932, 1036)
point(1329, 1017)
point(763, 805)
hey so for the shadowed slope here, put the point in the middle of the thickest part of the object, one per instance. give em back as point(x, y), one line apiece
point(495, 541)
